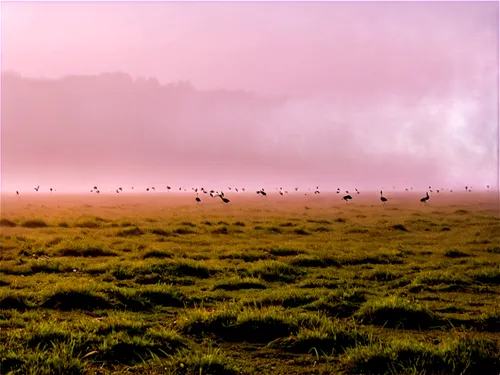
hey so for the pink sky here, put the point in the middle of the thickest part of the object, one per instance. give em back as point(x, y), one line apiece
point(379, 93)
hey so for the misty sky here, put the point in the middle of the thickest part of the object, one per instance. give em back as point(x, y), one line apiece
point(371, 93)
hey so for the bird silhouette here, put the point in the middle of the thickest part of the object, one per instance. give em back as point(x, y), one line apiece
point(225, 200)
point(382, 198)
point(426, 198)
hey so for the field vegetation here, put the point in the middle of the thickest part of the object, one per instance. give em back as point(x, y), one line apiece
point(277, 285)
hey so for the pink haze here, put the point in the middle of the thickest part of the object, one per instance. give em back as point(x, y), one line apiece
point(256, 94)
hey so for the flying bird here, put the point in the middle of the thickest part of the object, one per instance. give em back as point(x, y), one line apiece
point(347, 198)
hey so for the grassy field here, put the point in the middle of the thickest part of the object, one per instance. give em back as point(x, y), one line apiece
point(155, 284)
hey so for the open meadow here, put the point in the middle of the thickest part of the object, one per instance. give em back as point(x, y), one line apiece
point(297, 284)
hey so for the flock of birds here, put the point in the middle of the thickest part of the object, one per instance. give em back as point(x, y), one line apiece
point(262, 192)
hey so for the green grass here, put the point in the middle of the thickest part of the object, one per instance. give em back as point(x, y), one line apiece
point(331, 289)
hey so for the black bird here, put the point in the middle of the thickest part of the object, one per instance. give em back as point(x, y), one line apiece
point(357, 191)
point(225, 200)
point(120, 189)
point(347, 198)
point(95, 187)
point(38, 187)
point(426, 198)
point(296, 189)
point(17, 192)
point(197, 199)
point(147, 189)
point(382, 198)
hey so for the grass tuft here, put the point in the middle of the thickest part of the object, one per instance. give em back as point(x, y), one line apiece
point(396, 312)
point(7, 223)
point(34, 223)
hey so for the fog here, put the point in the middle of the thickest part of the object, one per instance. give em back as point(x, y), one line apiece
point(345, 94)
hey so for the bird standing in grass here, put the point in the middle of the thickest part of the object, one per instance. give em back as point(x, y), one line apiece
point(425, 199)
point(225, 200)
point(382, 198)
